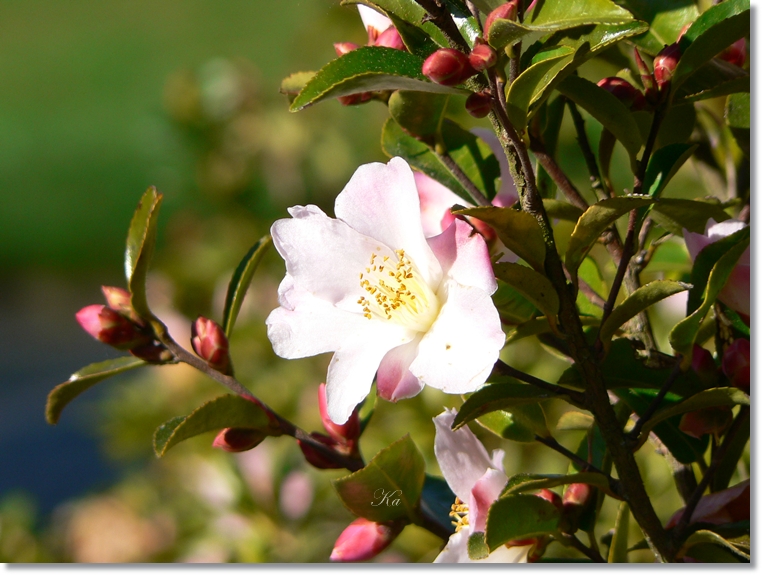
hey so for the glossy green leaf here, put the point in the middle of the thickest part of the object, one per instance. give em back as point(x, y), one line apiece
point(141, 240)
point(533, 482)
point(219, 413)
point(82, 380)
point(606, 108)
point(540, 325)
point(240, 282)
point(418, 113)
point(533, 285)
point(683, 335)
point(704, 536)
point(618, 548)
point(713, 79)
point(477, 546)
point(712, 32)
point(408, 11)
point(677, 126)
point(663, 165)
point(513, 307)
point(716, 397)
point(498, 396)
point(638, 301)
point(589, 273)
point(561, 210)
point(291, 85)
point(388, 487)
point(436, 501)
point(665, 18)
point(674, 214)
point(518, 230)
point(735, 450)
point(520, 517)
point(368, 69)
point(738, 118)
point(592, 224)
point(520, 423)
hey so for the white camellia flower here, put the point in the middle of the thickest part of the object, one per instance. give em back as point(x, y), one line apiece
point(477, 480)
point(372, 288)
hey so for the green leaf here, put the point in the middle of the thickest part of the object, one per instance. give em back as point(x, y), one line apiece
point(291, 85)
point(738, 118)
point(436, 501)
point(589, 273)
point(575, 421)
point(713, 79)
point(561, 210)
point(368, 69)
point(540, 325)
point(665, 18)
point(534, 286)
point(638, 301)
point(520, 517)
point(663, 165)
point(704, 536)
point(219, 413)
point(240, 282)
point(498, 396)
point(683, 335)
point(733, 454)
point(618, 547)
point(477, 546)
point(418, 113)
point(520, 423)
point(82, 380)
point(518, 230)
point(141, 240)
point(513, 307)
point(713, 31)
point(606, 108)
point(388, 487)
point(533, 482)
point(674, 214)
point(716, 397)
point(593, 222)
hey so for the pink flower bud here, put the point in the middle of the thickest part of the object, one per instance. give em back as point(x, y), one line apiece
point(315, 457)
point(447, 67)
point(391, 39)
point(736, 364)
point(344, 47)
point(479, 104)
point(347, 432)
point(665, 64)
point(625, 92)
point(735, 53)
point(482, 57)
point(715, 420)
point(236, 439)
point(551, 496)
point(354, 99)
point(507, 11)
point(210, 344)
point(576, 499)
point(364, 539)
point(110, 327)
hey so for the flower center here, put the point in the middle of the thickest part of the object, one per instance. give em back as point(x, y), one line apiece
point(396, 292)
point(459, 512)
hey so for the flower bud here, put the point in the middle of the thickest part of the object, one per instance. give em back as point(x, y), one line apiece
point(479, 104)
point(715, 420)
point(152, 352)
point(703, 364)
point(625, 92)
point(354, 99)
point(391, 39)
point(364, 539)
point(110, 327)
point(210, 344)
point(482, 57)
point(735, 53)
point(344, 47)
point(315, 457)
point(120, 300)
point(447, 67)
point(237, 439)
point(507, 11)
point(575, 501)
point(347, 432)
point(665, 64)
point(736, 364)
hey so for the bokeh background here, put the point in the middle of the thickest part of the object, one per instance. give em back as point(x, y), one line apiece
point(100, 99)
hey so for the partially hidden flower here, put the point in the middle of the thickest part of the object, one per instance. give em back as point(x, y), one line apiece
point(477, 480)
point(370, 287)
point(737, 290)
point(380, 30)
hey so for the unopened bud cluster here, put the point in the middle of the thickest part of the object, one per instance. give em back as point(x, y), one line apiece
point(210, 344)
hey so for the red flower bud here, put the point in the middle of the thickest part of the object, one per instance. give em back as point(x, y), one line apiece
point(152, 352)
point(391, 39)
point(315, 457)
point(210, 344)
point(482, 57)
point(507, 11)
point(347, 432)
point(625, 92)
point(665, 64)
point(364, 539)
point(344, 47)
point(354, 99)
point(551, 496)
point(110, 327)
point(735, 53)
point(447, 67)
point(736, 364)
point(576, 499)
point(120, 300)
point(236, 439)
point(703, 364)
point(714, 420)
point(479, 104)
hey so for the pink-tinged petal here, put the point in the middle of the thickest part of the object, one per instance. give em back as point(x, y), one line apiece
point(458, 352)
point(737, 291)
point(461, 456)
point(436, 201)
point(726, 506)
point(351, 371)
point(464, 257)
point(483, 494)
point(695, 242)
point(497, 459)
point(372, 18)
point(325, 256)
point(394, 380)
point(381, 201)
point(456, 550)
point(507, 195)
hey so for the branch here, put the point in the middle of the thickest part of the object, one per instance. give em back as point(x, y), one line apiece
point(592, 554)
point(465, 181)
point(596, 181)
point(502, 368)
point(442, 19)
point(634, 434)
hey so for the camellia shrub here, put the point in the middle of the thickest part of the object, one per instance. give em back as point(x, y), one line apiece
point(465, 242)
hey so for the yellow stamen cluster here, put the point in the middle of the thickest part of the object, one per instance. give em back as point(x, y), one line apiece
point(390, 294)
point(459, 512)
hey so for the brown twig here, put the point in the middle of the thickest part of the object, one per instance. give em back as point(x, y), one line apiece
point(465, 181)
point(442, 19)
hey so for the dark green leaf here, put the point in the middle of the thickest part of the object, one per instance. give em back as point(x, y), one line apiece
point(674, 214)
point(141, 240)
point(704, 536)
point(735, 450)
point(713, 79)
point(540, 325)
point(665, 18)
point(618, 547)
point(520, 423)
point(520, 517)
point(291, 85)
point(240, 281)
point(663, 165)
point(436, 501)
point(498, 396)
point(418, 113)
point(561, 210)
point(219, 413)
point(388, 487)
point(534, 482)
point(513, 307)
point(534, 286)
point(84, 379)
point(738, 118)
point(477, 547)
point(368, 69)
point(677, 125)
